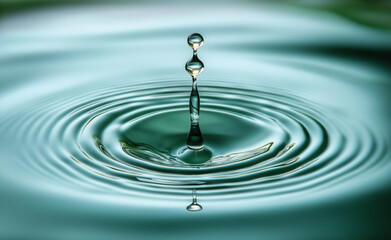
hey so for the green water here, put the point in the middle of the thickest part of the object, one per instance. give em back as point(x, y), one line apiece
point(294, 114)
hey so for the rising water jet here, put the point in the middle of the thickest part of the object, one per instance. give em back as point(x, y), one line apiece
point(195, 153)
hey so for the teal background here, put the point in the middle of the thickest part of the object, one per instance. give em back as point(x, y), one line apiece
point(269, 67)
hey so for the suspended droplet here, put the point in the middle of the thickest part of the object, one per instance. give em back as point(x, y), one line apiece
point(194, 66)
point(195, 41)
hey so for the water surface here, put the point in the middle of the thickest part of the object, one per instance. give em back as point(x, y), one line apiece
point(94, 111)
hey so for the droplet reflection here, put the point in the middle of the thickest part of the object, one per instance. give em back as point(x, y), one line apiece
point(194, 206)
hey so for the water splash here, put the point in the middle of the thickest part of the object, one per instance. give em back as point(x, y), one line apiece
point(195, 67)
point(195, 153)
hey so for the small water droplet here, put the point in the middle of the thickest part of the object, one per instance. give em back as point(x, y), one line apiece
point(194, 66)
point(195, 41)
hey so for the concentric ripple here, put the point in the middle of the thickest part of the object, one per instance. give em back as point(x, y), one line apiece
point(128, 138)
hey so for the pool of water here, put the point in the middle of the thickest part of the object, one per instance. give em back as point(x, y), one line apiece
point(294, 110)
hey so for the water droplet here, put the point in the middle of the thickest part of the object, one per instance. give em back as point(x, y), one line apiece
point(194, 66)
point(194, 206)
point(195, 41)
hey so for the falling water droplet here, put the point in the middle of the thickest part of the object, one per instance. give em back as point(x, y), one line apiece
point(195, 41)
point(194, 206)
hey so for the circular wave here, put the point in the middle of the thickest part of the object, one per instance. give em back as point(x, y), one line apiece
point(128, 138)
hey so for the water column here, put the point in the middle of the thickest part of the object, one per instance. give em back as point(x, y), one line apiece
point(195, 153)
point(194, 67)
